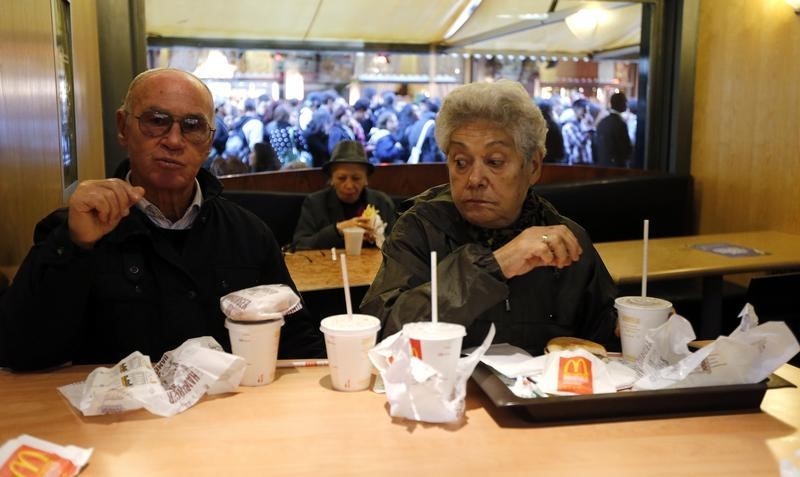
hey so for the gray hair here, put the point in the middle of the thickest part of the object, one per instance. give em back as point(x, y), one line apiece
point(129, 95)
point(504, 103)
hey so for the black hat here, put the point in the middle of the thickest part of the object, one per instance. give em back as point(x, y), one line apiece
point(351, 152)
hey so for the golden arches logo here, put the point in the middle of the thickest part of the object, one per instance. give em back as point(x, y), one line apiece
point(577, 366)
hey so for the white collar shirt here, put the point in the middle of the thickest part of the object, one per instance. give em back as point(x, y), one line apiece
point(157, 217)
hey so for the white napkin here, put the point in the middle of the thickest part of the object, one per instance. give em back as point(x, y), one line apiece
point(417, 391)
point(749, 355)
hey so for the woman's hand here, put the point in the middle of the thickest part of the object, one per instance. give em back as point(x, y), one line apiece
point(551, 246)
point(360, 222)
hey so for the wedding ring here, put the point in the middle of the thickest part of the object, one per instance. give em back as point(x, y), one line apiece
point(545, 238)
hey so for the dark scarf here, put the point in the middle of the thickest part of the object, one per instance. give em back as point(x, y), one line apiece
point(532, 213)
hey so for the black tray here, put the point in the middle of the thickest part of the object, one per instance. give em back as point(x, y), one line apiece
point(709, 399)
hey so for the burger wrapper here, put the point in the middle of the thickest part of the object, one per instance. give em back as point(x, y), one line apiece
point(379, 228)
point(575, 371)
point(417, 391)
point(260, 303)
point(749, 355)
point(199, 366)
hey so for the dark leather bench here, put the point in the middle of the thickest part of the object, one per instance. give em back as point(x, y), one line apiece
point(609, 209)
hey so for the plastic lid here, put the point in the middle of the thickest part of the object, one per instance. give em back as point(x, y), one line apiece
point(439, 331)
point(355, 324)
point(643, 302)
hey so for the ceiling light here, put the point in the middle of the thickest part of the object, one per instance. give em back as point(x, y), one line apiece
point(533, 16)
point(583, 23)
point(462, 18)
point(794, 4)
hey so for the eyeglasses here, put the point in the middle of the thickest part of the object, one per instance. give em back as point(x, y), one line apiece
point(156, 124)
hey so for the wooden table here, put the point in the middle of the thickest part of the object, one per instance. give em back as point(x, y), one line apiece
point(314, 270)
point(675, 257)
point(299, 426)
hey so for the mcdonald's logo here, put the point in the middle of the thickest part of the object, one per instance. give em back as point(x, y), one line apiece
point(28, 461)
point(577, 366)
point(575, 375)
point(416, 348)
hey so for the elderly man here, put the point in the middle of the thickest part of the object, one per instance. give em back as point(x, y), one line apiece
point(505, 255)
point(140, 261)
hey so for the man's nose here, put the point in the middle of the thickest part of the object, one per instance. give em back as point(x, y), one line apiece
point(174, 136)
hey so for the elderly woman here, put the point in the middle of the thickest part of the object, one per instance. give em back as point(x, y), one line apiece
point(505, 255)
point(326, 213)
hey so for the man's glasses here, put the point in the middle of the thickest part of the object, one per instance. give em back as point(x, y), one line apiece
point(156, 124)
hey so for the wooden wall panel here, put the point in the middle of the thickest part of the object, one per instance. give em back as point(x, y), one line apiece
point(746, 141)
point(30, 167)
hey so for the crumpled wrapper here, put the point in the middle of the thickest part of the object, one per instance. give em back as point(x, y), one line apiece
point(199, 366)
point(417, 391)
point(260, 303)
point(379, 228)
point(749, 355)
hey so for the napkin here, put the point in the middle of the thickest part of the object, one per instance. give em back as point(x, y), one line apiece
point(378, 227)
point(749, 355)
point(417, 391)
point(174, 384)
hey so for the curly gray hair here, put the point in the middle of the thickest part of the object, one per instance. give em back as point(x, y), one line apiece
point(505, 103)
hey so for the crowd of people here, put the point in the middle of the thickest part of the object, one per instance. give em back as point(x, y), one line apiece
point(583, 132)
point(260, 134)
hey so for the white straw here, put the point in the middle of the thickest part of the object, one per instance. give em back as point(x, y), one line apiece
point(644, 257)
point(346, 281)
point(434, 291)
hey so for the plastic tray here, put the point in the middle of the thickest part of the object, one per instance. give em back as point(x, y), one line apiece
point(621, 405)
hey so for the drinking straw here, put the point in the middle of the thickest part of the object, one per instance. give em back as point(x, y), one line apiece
point(434, 291)
point(346, 286)
point(644, 257)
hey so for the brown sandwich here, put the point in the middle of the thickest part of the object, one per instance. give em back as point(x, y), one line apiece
point(563, 343)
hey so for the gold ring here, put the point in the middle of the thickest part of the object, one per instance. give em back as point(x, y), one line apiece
point(545, 238)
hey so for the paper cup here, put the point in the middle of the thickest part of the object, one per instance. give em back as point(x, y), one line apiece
point(437, 344)
point(638, 315)
point(353, 238)
point(347, 341)
point(256, 342)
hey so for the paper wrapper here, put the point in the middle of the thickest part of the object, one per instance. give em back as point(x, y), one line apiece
point(28, 456)
point(174, 384)
point(260, 303)
point(572, 372)
point(378, 225)
point(417, 391)
point(749, 355)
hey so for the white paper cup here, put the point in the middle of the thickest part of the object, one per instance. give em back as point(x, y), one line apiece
point(347, 341)
point(256, 342)
point(437, 344)
point(353, 238)
point(638, 315)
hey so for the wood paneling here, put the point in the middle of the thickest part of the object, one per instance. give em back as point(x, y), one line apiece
point(746, 141)
point(30, 167)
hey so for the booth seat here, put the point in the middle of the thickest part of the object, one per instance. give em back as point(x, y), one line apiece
point(609, 209)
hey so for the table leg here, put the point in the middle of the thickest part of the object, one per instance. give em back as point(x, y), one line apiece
point(711, 317)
